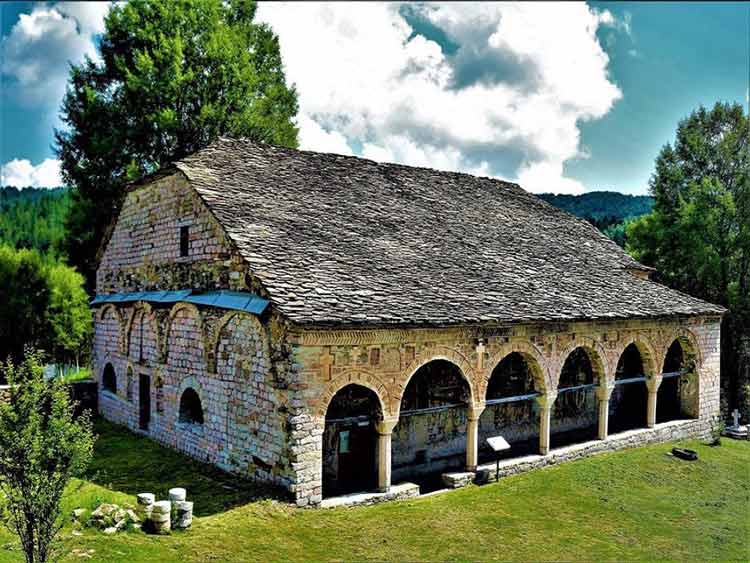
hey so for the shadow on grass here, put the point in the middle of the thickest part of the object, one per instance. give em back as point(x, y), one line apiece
point(132, 464)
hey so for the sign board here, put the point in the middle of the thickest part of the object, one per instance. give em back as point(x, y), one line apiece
point(344, 442)
point(498, 443)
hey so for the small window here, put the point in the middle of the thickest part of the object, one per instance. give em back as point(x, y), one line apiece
point(191, 410)
point(109, 379)
point(184, 241)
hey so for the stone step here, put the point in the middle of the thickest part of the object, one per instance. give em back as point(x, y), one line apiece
point(457, 480)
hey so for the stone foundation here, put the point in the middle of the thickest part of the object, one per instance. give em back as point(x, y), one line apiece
point(666, 432)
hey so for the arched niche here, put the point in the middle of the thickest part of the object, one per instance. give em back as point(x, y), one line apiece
point(191, 408)
point(109, 379)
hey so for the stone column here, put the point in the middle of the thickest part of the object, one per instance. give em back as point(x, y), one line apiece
point(603, 393)
point(653, 384)
point(546, 402)
point(385, 431)
point(472, 437)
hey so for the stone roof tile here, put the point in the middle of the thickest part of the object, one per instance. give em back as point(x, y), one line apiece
point(344, 240)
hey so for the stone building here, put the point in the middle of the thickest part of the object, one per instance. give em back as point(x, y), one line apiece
point(331, 324)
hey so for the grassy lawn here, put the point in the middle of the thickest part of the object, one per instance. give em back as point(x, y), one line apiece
point(632, 505)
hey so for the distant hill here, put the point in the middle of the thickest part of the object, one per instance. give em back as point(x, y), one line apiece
point(608, 211)
point(601, 205)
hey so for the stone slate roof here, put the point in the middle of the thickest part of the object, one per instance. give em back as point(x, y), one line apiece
point(337, 239)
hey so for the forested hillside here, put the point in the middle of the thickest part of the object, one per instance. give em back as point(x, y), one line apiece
point(33, 218)
point(610, 212)
point(42, 300)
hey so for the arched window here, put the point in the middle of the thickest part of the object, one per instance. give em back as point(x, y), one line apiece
point(109, 379)
point(191, 410)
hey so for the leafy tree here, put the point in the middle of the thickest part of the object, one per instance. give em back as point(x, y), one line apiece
point(42, 304)
point(41, 448)
point(173, 77)
point(68, 314)
point(698, 235)
point(24, 296)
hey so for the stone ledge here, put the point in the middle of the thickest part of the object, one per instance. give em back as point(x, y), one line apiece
point(664, 432)
point(397, 492)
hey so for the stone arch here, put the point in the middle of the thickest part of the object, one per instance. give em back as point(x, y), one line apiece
point(349, 440)
point(679, 396)
point(109, 307)
point(191, 383)
point(213, 343)
point(645, 349)
point(195, 312)
point(438, 353)
point(596, 355)
point(362, 378)
point(191, 407)
point(534, 359)
point(109, 377)
point(689, 343)
point(142, 308)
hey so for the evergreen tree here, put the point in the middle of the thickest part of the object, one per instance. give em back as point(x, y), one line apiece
point(173, 77)
point(698, 235)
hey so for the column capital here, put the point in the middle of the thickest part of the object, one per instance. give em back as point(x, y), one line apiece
point(653, 382)
point(386, 425)
point(546, 400)
point(604, 392)
point(474, 412)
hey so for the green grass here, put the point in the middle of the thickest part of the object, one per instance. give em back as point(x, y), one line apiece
point(638, 504)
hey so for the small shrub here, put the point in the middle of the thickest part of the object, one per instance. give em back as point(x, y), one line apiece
point(717, 428)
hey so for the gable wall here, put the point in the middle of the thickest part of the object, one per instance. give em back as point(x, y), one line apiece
point(143, 252)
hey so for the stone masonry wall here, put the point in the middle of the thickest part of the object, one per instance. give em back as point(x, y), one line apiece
point(326, 361)
point(143, 252)
point(231, 360)
point(224, 357)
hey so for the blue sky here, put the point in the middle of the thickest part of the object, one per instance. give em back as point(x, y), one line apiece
point(564, 98)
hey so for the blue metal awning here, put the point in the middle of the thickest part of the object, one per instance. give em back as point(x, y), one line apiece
point(235, 300)
point(222, 299)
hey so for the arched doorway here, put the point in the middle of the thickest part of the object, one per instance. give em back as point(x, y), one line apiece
point(628, 404)
point(511, 410)
point(430, 436)
point(675, 392)
point(574, 417)
point(350, 441)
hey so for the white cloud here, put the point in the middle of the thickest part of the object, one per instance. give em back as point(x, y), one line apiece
point(40, 46)
point(507, 102)
point(21, 173)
